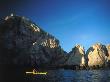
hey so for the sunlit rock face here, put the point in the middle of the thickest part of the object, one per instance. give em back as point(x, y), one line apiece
point(97, 55)
point(48, 53)
point(108, 58)
point(23, 42)
point(76, 56)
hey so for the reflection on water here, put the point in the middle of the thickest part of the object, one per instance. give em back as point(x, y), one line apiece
point(60, 75)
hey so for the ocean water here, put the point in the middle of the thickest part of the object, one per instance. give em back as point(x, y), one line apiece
point(59, 75)
point(74, 76)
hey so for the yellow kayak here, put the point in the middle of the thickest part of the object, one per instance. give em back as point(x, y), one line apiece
point(34, 72)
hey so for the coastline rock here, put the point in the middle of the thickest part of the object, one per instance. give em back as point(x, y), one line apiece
point(97, 55)
point(24, 43)
point(76, 56)
point(108, 58)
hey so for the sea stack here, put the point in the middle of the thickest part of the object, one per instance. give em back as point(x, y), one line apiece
point(76, 56)
point(97, 55)
point(108, 58)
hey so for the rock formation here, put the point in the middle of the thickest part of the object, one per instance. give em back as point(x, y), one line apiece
point(108, 58)
point(97, 55)
point(76, 56)
point(22, 42)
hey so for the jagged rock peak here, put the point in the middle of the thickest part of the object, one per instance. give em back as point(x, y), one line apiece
point(81, 48)
point(23, 19)
point(22, 23)
point(78, 48)
point(76, 56)
point(97, 46)
point(97, 55)
point(23, 42)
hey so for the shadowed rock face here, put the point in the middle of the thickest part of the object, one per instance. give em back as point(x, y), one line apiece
point(76, 56)
point(97, 55)
point(24, 43)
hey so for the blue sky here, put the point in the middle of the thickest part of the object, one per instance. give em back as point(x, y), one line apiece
point(73, 22)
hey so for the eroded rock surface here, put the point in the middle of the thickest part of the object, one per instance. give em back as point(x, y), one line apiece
point(108, 58)
point(24, 43)
point(97, 55)
point(76, 56)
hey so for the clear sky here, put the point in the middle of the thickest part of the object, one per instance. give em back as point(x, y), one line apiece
point(73, 22)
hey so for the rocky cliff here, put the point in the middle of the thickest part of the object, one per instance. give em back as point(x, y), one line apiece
point(97, 55)
point(76, 56)
point(22, 42)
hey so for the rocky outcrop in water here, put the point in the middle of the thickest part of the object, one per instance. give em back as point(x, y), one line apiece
point(76, 56)
point(97, 55)
point(22, 42)
point(108, 58)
